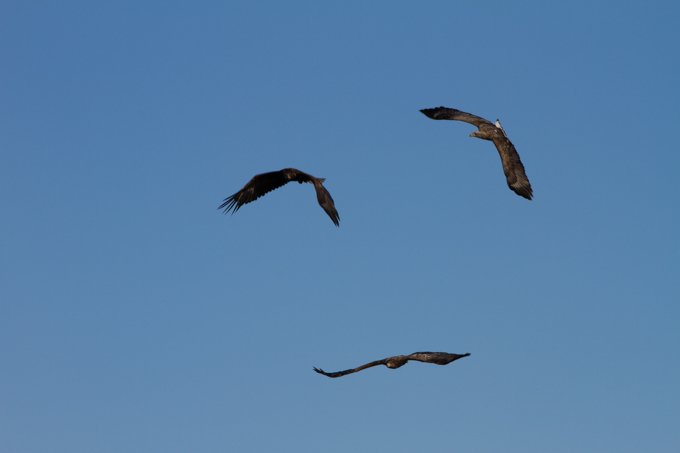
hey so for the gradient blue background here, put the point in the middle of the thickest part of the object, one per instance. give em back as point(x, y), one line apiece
point(135, 317)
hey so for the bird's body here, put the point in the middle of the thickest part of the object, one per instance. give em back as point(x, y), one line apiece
point(264, 183)
point(438, 358)
point(512, 165)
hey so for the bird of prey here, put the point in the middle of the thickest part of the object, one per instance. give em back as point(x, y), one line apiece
point(263, 183)
point(512, 165)
point(439, 358)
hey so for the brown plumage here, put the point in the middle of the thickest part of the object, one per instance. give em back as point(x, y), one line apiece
point(512, 165)
point(263, 183)
point(439, 358)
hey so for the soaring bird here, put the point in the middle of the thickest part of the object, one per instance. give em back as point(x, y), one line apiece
point(439, 358)
point(512, 165)
point(266, 182)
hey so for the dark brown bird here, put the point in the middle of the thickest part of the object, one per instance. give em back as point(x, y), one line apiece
point(512, 165)
point(266, 182)
point(439, 358)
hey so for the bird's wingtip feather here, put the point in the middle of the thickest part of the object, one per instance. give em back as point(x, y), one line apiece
point(437, 113)
point(229, 204)
point(428, 112)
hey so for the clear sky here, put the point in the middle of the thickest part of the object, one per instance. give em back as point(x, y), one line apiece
point(135, 317)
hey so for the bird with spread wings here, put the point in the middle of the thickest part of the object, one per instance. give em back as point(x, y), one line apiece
point(512, 166)
point(438, 358)
point(264, 183)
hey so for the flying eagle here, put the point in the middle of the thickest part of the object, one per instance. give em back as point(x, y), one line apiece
point(263, 183)
point(439, 358)
point(512, 165)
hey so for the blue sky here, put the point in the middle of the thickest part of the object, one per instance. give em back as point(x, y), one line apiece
point(136, 317)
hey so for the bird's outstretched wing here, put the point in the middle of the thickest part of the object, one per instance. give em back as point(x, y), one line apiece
point(350, 371)
point(326, 202)
point(258, 186)
point(445, 113)
point(515, 175)
point(264, 183)
point(439, 358)
point(512, 165)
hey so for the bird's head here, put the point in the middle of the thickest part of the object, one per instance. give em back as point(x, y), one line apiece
point(396, 362)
